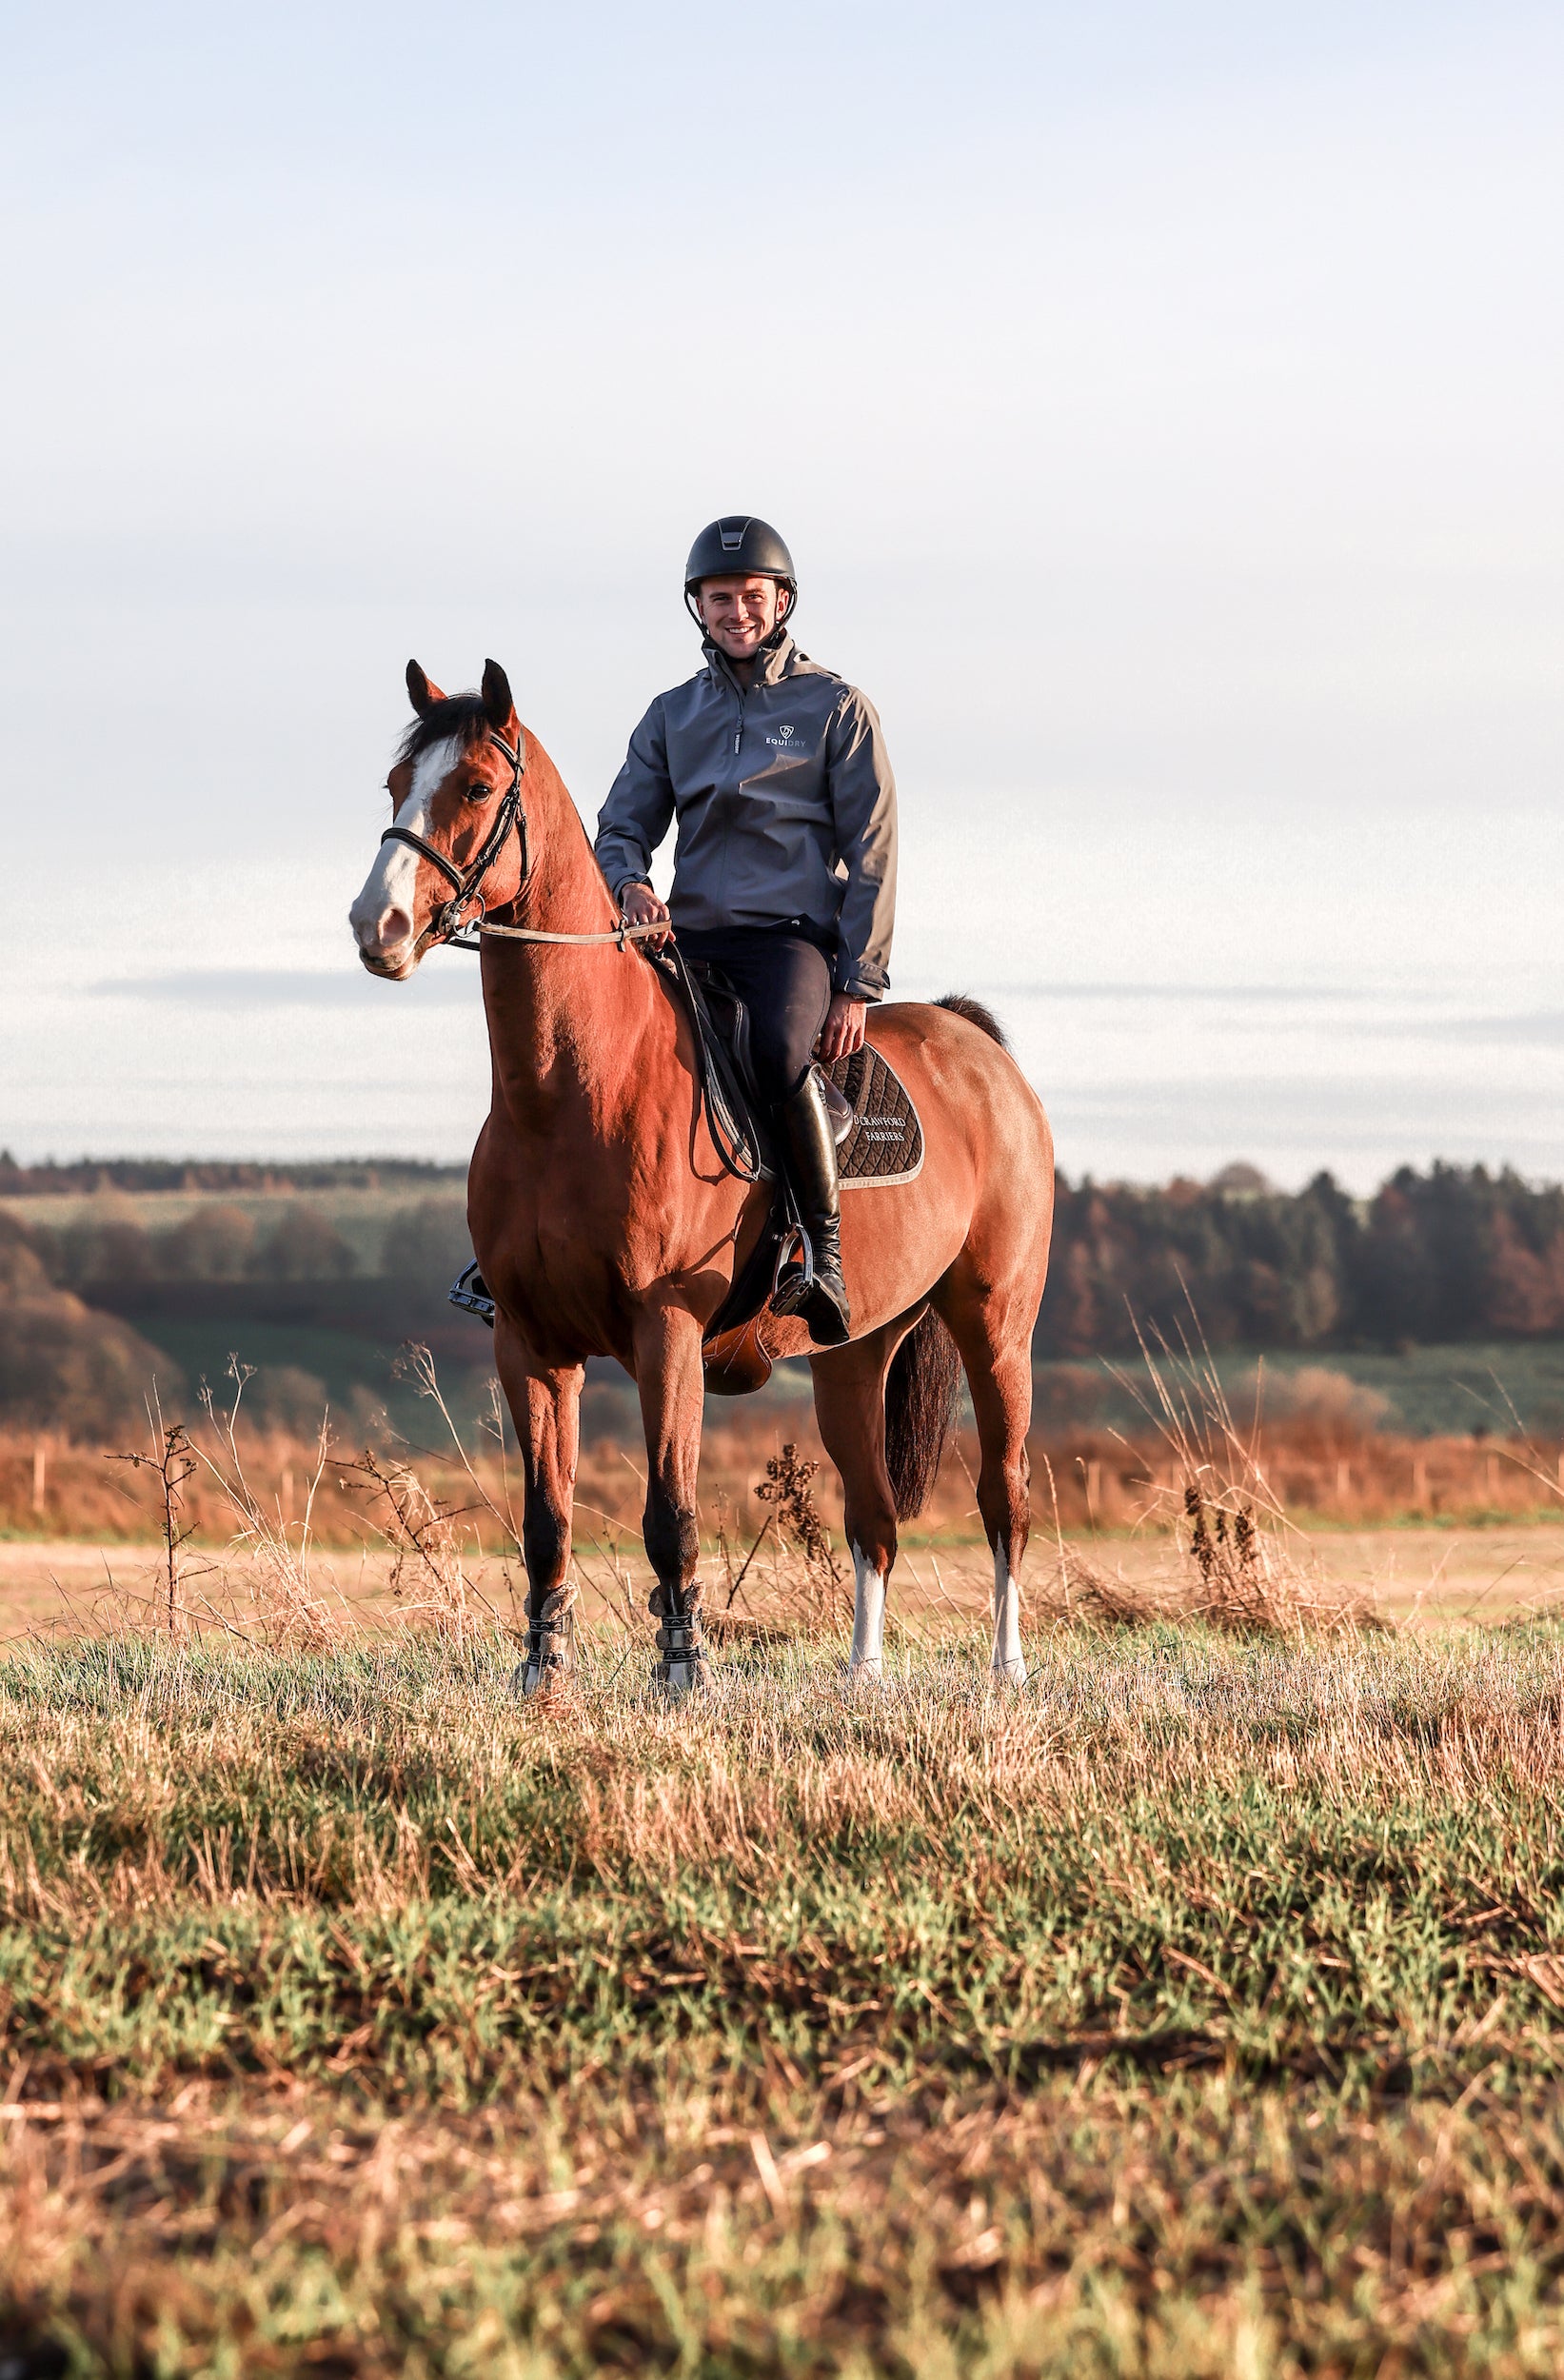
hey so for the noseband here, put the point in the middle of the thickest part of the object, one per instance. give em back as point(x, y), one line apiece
point(445, 925)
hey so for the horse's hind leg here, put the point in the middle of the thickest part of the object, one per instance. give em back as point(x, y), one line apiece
point(545, 1406)
point(992, 1336)
point(672, 1387)
point(850, 1409)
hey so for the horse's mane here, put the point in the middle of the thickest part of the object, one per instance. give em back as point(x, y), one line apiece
point(459, 715)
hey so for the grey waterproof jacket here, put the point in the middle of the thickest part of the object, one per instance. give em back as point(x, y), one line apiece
point(785, 803)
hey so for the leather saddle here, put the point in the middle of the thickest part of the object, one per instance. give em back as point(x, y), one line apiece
point(720, 1008)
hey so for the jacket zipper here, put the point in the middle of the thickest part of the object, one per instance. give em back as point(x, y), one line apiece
point(739, 698)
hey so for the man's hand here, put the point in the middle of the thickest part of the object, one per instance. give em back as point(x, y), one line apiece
point(842, 1031)
point(640, 906)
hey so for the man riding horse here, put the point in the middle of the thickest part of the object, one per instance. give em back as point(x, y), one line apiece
point(600, 1211)
point(785, 864)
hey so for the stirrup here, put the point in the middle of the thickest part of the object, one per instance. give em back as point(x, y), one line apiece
point(793, 1278)
point(470, 1291)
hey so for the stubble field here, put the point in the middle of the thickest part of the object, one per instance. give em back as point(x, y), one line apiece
point(1196, 2009)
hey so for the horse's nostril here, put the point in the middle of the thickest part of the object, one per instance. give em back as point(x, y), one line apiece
point(382, 931)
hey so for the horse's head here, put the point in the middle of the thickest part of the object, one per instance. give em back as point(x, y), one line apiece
point(450, 852)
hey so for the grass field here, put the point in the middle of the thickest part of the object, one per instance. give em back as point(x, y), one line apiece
point(1196, 2009)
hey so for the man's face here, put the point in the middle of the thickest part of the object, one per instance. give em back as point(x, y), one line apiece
point(739, 614)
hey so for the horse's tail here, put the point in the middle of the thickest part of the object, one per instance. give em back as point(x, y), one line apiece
point(924, 1384)
point(921, 1396)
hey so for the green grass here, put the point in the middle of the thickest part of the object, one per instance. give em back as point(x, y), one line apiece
point(1194, 2010)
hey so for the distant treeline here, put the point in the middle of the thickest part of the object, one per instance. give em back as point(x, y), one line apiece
point(1456, 1254)
point(108, 1257)
point(86, 1176)
point(92, 1304)
point(89, 1307)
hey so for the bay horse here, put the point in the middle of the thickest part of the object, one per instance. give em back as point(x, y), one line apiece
point(604, 1223)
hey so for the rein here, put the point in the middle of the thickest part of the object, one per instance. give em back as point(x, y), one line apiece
point(622, 934)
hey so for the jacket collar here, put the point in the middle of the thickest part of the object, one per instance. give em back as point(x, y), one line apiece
point(773, 664)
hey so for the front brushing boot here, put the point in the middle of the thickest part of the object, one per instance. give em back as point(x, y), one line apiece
point(550, 1656)
point(809, 1156)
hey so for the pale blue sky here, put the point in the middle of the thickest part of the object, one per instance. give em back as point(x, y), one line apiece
point(1162, 402)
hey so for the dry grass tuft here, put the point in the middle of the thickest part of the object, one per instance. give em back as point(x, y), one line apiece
point(1235, 1559)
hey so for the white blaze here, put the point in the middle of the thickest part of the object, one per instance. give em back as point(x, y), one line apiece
point(868, 1618)
point(1009, 1661)
point(392, 882)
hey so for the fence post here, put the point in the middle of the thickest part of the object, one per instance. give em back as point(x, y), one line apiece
point(40, 1473)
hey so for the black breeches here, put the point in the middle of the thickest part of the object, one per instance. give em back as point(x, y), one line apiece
point(785, 983)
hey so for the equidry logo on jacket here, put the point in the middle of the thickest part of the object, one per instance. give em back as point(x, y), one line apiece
point(783, 740)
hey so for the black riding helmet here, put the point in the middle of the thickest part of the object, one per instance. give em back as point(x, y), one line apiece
point(738, 547)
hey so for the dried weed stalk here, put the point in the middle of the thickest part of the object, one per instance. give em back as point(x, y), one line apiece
point(415, 1363)
point(1527, 1455)
point(797, 1521)
point(425, 1534)
point(172, 1460)
point(1240, 1563)
point(294, 1607)
point(424, 1538)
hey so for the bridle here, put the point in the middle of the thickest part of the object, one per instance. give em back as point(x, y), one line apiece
point(444, 928)
point(465, 882)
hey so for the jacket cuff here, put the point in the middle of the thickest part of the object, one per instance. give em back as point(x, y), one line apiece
point(634, 878)
point(867, 985)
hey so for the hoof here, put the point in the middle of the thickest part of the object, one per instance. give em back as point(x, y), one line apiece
point(1011, 1673)
point(533, 1678)
point(678, 1681)
point(865, 1673)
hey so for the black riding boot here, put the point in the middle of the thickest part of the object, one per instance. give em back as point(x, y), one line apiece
point(809, 1154)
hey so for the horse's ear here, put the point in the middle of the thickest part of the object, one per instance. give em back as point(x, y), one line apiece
point(422, 691)
point(498, 707)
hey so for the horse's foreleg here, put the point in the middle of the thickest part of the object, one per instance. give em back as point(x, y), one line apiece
point(545, 1406)
point(668, 1374)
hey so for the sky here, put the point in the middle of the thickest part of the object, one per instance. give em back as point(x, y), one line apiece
point(1159, 401)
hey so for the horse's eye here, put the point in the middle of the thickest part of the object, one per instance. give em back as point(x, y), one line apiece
point(478, 791)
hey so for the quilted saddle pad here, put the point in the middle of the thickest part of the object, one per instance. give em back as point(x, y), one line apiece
point(884, 1144)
